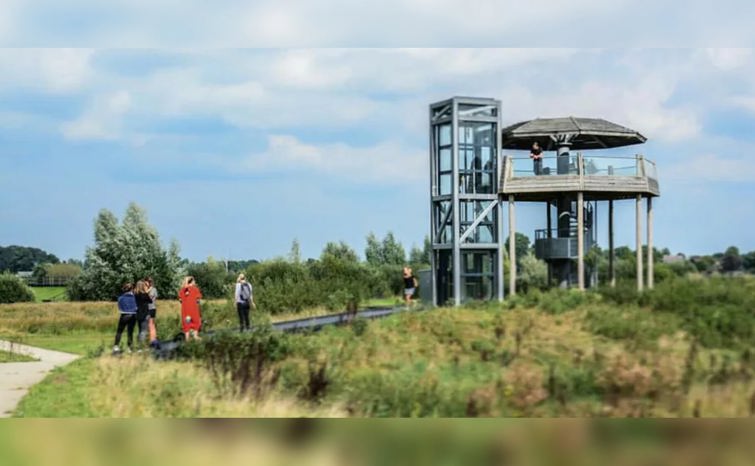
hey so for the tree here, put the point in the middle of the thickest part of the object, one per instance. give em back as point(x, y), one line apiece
point(373, 253)
point(521, 246)
point(211, 278)
point(386, 252)
point(393, 251)
point(704, 264)
point(294, 255)
point(61, 273)
point(731, 260)
point(20, 258)
point(340, 251)
point(427, 250)
point(14, 290)
point(417, 256)
point(532, 273)
point(748, 261)
point(123, 253)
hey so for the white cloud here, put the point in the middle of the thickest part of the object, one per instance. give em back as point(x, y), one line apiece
point(297, 23)
point(102, 121)
point(49, 70)
point(387, 162)
point(713, 168)
point(641, 105)
point(728, 59)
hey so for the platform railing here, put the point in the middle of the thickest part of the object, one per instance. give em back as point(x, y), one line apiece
point(583, 165)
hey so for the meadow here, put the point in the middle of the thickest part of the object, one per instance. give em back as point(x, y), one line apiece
point(684, 349)
point(49, 293)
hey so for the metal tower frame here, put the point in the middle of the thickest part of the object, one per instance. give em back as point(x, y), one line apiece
point(466, 215)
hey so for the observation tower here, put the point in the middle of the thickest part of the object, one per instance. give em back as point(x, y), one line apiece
point(471, 179)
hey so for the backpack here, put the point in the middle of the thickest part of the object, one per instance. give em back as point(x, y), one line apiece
point(245, 293)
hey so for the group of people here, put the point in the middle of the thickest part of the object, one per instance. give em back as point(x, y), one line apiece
point(137, 306)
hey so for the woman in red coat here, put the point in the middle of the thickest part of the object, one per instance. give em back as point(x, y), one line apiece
point(191, 319)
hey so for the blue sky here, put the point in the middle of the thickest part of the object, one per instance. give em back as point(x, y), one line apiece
point(236, 152)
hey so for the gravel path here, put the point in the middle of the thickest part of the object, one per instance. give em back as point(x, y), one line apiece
point(17, 377)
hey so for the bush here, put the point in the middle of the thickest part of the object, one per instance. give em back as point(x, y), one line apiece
point(641, 326)
point(14, 290)
point(719, 311)
point(243, 359)
point(212, 279)
point(339, 282)
point(625, 292)
point(281, 286)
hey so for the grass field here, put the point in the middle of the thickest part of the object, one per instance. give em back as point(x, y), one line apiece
point(6, 356)
point(685, 349)
point(49, 293)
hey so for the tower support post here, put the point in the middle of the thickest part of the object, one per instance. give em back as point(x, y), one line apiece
point(638, 233)
point(580, 241)
point(651, 280)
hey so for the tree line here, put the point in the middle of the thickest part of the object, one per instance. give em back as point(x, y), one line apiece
point(130, 249)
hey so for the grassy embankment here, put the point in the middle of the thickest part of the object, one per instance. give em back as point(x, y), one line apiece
point(49, 293)
point(7, 356)
point(684, 349)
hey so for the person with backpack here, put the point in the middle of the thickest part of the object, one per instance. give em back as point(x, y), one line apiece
point(244, 300)
point(191, 318)
point(127, 320)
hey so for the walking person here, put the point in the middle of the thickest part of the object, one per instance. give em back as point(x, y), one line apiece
point(244, 300)
point(151, 322)
point(127, 318)
point(191, 319)
point(410, 285)
point(536, 154)
point(143, 301)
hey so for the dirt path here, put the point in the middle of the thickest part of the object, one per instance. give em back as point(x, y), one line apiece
point(17, 377)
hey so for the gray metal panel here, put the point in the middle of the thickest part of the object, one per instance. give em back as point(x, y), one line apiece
point(425, 278)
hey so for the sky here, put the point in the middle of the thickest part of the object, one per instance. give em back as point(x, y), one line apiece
point(235, 152)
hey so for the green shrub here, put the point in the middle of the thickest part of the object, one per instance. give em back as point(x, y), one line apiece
point(14, 290)
point(625, 292)
point(212, 279)
point(282, 286)
point(243, 359)
point(642, 327)
point(718, 311)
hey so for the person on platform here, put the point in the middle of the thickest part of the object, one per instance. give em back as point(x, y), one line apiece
point(536, 154)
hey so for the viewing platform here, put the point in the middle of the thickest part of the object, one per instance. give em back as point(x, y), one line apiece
point(599, 178)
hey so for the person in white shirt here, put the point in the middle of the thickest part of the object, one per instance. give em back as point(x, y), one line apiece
point(244, 300)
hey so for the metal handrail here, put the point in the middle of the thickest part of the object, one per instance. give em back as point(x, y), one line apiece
point(640, 160)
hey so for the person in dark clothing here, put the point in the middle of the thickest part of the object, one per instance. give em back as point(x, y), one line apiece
point(410, 285)
point(151, 319)
point(536, 154)
point(141, 295)
point(127, 309)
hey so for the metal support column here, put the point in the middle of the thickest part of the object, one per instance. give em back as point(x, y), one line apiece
point(581, 241)
point(512, 247)
point(499, 253)
point(549, 235)
point(455, 193)
point(638, 232)
point(611, 254)
point(650, 243)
